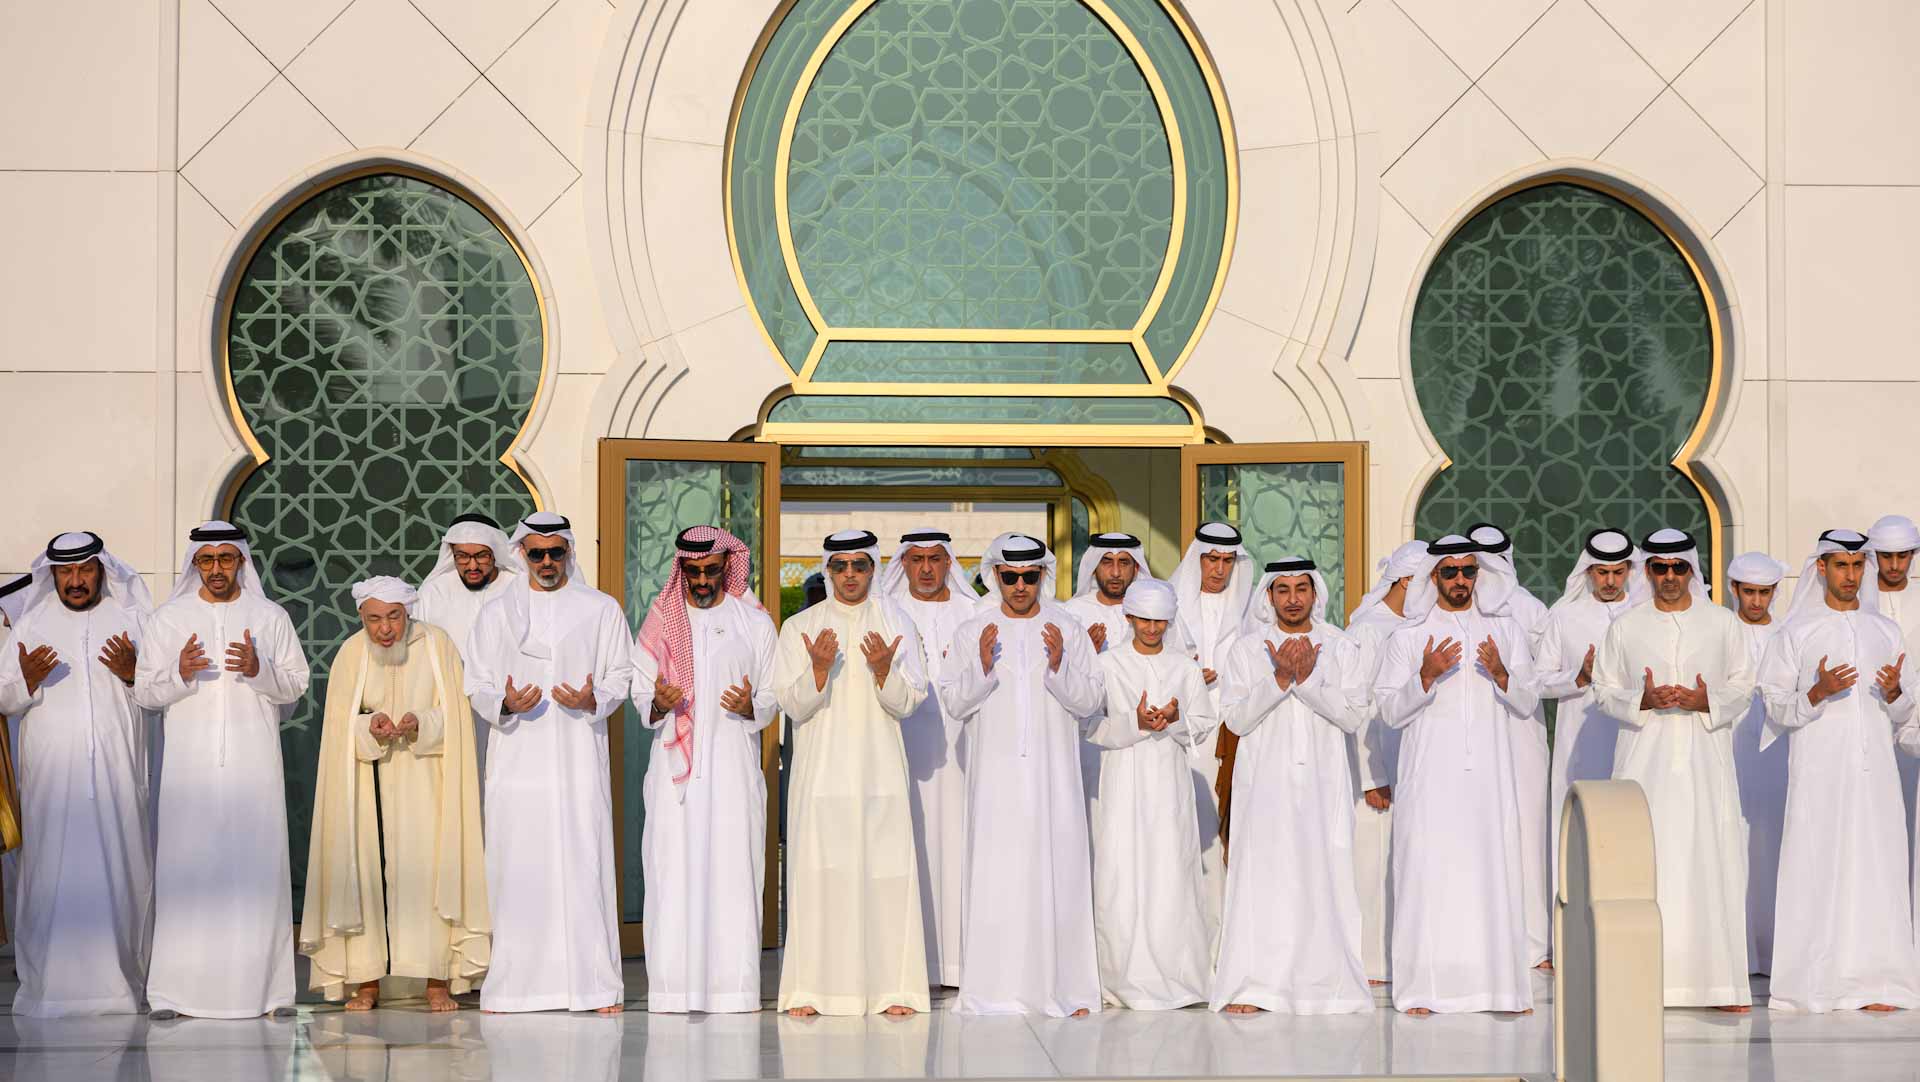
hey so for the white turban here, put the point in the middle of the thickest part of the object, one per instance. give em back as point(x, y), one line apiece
point(474, 529)
point(1097, 547)
point(893, 581)
point(1607, 546)
point(384, 588)
point(1674, 544)
point(543, 524)
point(1893, 533)
point(1261, 618)
point(1150, 599)
point(1809, 596)
point(1492, 588)
point(213, 534)
point(1016, 550)
point(1756, 569)
point(1403, 562)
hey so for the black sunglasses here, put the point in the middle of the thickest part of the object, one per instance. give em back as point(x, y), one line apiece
point(1031, 576)
point(1448, 573)
point(696, 571)
point(839, 567)
point(1663, 568)
point(556, 554)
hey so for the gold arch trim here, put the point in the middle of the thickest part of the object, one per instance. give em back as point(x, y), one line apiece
point(295, 200)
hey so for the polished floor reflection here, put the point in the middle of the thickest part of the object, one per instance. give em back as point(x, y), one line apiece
point(404, 1042)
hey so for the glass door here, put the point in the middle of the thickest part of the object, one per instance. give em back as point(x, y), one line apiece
point(650, 490)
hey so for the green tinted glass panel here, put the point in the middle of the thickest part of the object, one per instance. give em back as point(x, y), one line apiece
point(979, 362)
point(385, 347)
point(920, 476)
point(663, 498)
point(953, 409)
point(914, 452)
point(1285, 509)
point(1561, 354)
point(1082, 532)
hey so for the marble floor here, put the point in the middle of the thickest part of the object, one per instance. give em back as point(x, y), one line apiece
point(404, 1042)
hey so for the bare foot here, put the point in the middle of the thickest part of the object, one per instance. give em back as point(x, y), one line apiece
point(900, 1011)
point(1242, 1008)
point(437, 997)
point(1529, 1010)
point(617, 1008)
point(1546, 966)
point(1735, 1008)
point(1418, 1012)
point(1081, 1013)
point(802, 1012)
point(1879, 1007)
point(365, 998)
point(1371, 983)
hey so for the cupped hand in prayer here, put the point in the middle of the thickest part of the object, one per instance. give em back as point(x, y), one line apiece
point(1889, 679)
point(381, 728)
point(1585, 675)
point(879, 656)
point(1379, 799)
point(118, 656)
point(1147, 717)
point(1830, 682)
point(1437, 661)
point(666, 697)
point(36, 666)
point(1098, 633)
point(519, 700)
point(1281, 658)
point(1490, 660)
point(242, 657)
point(738, 700)
point(193, 659)
point(575, 699)
point(408, 726)
point(989, 637)
point(1056, 644)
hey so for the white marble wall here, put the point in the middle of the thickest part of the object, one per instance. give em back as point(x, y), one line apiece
point(145, 138)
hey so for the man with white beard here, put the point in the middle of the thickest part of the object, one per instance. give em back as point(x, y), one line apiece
point(1112, 563)
point(1893, 540)
point(85, 901)
point(1459, 926)
point(1605, 582)
point(476, 565)
point(1023, 674)
point(1842, 848)
point(1212, 585)
point(1754, 580)
point(548, 661)
point(1296, 692)
point(1675, 672)
point(222, 930)
point(925, 582)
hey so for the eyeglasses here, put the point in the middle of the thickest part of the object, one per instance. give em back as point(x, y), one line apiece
point(1447, 574)
point(839, 567)
point(1663, 568)
point(697, 571)
point(1031, 577)
point(226, 561)
point(556, 554)
point(473, 558)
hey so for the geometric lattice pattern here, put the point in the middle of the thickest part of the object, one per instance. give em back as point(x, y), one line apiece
point(384, 347)
point(1285, 509)
point(1561, 355)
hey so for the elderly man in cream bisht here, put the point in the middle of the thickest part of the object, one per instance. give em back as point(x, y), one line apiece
point(396, 706)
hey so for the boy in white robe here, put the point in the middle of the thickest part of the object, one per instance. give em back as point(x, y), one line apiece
point(1894, 539)
point(1843, 919)
point(1753, 578)
point(703, 684)
point(1024, 676)
point(1296, 691)
point(223, 925)
point(66, 671)
point(855, 941)
point(548, 662)
point(1676, 674)
point(1149, 904)
point(477, 564)
point(1113, 562)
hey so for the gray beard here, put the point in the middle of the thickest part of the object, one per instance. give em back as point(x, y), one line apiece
point(392, 657)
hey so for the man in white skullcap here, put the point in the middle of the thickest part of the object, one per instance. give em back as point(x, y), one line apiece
point(1022, 674)
point(1296, 692)
point(1373, 756)
point(703, 683)
point(1893, 540)
point(1675, 672)
point(548, 661)
point(1753, 578)
point(1212, 584)
point(1605, 582)
point(85, 890)
point(1459, 929)
point(1113, 562)
point(396, 706)
point(924, 581)
point(1835, 678)
point(224, 663)
point(855, 941)
point(1532, 757)
point(1149, 904)
point(476, 565)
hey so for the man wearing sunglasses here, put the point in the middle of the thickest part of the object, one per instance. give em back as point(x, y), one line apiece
point(1028, 679)
point(1676, 674)
point(1459, 924)
point(1893, 539)
point(1753, 578)
point(1835, 678)
point(856, 943)
point(547, 663)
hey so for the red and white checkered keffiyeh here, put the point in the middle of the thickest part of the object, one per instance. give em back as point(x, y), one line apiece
point(667, 634)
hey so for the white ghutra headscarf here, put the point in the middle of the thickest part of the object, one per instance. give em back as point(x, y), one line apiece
point(1016, 550)
point(117, 580)
point(1607, 546)
point(1097, 547)
point(1674, 544)
point(476, 529)
point(1261, 619)
point(1809, 595)
point(893, 581)
point(211, 535)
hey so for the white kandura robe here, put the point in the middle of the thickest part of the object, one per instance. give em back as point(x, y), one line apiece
point(703, 844)
point(1149, 904)
point(1763, 804)
point(223, 911)
point(1291, 938)
point(1683, 762)
point(1373, 760)
point(84, 886)
point(1087, 609)
point(549, 812)
point(1213, 629)
point(937, 763)
point(1026, 941)
point(1459, 926)
point(855, 941)
point(1532, 765)
point(1903, 608)
point(1584, 733)
point(1843, 921)
point(447, 604)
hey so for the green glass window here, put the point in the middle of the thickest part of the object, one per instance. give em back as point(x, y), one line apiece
point(385, 346)
point(1285, 509)
point(1562, 352)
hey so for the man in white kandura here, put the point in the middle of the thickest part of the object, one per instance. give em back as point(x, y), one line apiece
point(1296, 692)
point(1459, 929)
point(1843, 919)
point(703, 683)
point(396, 705)
point(1753, 578)
point(85, 890)
point(1893, 539)
point(1149, 904)
point(549, 660)
point(1112, 563)
point(1373, 760)
point(1605, 582)
point(222, 928)
point(1213, 582)
point(1029, 675)
point(855, 940)
point(1675, 673)
point(925, 582)
point(477, 564)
